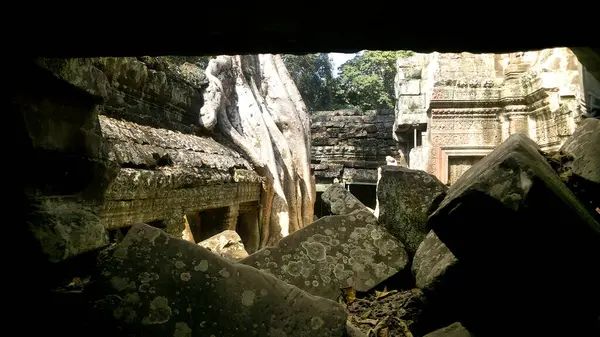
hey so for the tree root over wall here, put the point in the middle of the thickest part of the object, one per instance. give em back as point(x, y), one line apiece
point(255, 103)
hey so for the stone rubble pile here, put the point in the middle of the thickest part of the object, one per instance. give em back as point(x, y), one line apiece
point(508, 250)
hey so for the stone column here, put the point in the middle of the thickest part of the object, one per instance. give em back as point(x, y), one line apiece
point(518, 123)
point(231, 216)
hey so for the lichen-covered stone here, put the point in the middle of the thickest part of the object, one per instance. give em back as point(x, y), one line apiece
point(452, 330)
point(519, 235)
point(350, 144)
point(340, 201)
point(127, 126)
point(335, 251)
point(406, 198)
point(584, 146)
point(65, 228)
point(227, 244)
point(186, 172)
point(153, 284)
point(431, 262)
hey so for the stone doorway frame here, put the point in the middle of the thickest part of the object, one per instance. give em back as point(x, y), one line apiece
point(458, 151)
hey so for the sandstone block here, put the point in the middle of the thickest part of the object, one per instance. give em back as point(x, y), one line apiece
point(65, 228)
point(406, 198)
point(227, 244)
point(156, 285)
point(340, 201)
point(584, 146)
point(334, 252)
point(520, 234)
point(431, 261)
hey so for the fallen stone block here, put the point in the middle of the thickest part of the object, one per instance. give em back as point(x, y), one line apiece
point(340, 201)
point(584, 146)
point(227, 244)
point(406, 198)
point(65, 228)
point(334, 252)
point(520, 236)
point(431, 262)
point(453, 330)
point(153, 284)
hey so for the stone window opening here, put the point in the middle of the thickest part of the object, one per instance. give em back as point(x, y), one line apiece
point(365, 192)
point(247, 225)
point(321, 208)
point(206, 223)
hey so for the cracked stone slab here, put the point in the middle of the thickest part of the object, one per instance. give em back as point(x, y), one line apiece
point(153, 284)
point(227, 244)
point(584, 145)
point(334, 252)
point(520, 234)
point(340, 201)
point(65, 228)
point(406, 198)
point(431, 262)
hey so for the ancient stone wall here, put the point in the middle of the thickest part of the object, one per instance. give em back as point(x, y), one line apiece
point(349, 145)
point(115, 138)
point(466, 104)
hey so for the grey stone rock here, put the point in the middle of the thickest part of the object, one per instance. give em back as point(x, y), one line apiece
point(519, 234)
point(406, 198)
point(334, 252)
point(584, 146)
point(227, 244)
point(340, 201)
point(65, 228)
point(156, 285)
point(431, 262)
point(453, 330)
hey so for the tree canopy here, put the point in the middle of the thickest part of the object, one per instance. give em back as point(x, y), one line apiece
point(365, 82)
point(313, 75)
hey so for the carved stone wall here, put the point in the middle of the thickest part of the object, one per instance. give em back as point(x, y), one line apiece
point(349, 145)
point(469, 103)
point(116, 137)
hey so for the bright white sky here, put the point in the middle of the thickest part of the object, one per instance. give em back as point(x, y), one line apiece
point(338, 60)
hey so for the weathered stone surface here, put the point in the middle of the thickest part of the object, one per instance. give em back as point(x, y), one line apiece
point(353, 139)
point(453, 330)
point(466, 104)
point(187, 172)
point(333, 252)
point(227, 244)
point(584, 146)
point(340, 201)
point(431, 261)
point(156, 285)
point(139, 161)
point(132, 89)
point(65, 228)
point(406, 198)
point(520, 234)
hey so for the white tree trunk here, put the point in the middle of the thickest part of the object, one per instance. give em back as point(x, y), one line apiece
point(258, 107)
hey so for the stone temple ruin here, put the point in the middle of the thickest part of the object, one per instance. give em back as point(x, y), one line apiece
point(453, 109)
point(347, 148)
point(148, 225)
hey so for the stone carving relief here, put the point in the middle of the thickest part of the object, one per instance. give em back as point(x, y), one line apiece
point(478, 100)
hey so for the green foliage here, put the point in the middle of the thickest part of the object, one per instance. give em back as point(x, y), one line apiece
point(364, 82)
point(313, 76)
point(367, 80)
